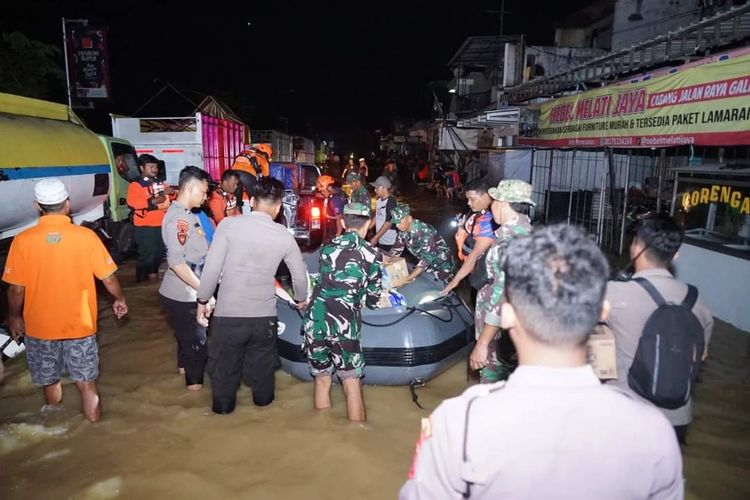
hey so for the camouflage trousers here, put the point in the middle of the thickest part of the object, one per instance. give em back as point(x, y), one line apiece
point(496, 369)
point(441, 273)
point(332, 344)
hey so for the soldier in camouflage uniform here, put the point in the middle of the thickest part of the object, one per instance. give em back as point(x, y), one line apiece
point(422, 240)
point(360, 194)
point(350, 273)
point(511, 199)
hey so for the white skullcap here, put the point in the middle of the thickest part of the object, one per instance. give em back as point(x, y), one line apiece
point(50, 191)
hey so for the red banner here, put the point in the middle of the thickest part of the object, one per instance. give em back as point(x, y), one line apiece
point(89, 63)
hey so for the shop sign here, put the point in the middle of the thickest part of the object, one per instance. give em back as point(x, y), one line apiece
point(703, 105)
point(736, 199)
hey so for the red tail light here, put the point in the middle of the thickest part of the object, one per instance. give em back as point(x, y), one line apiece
point(315, 218)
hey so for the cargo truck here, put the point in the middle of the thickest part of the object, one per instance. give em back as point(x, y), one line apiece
point(201, 140)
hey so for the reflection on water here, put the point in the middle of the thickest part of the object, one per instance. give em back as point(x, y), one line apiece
point(157, 440)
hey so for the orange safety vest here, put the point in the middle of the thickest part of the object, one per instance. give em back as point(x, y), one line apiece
point(460, 237)
point(141, 195)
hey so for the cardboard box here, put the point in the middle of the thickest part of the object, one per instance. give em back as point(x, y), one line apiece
point(397, 270)
point(602, 353)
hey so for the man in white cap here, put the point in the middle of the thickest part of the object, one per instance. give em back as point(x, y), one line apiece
point(52, 297)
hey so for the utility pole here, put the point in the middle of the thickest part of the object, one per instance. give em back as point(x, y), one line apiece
point(501, 14)
point(502, 17)
point(82, 22)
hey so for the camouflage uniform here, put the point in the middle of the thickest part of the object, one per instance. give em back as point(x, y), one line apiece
point(361, 195)
point(490, 296)
point(350, 271)
point(425, 244)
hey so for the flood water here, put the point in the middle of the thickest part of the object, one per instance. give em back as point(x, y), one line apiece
point(157, 440)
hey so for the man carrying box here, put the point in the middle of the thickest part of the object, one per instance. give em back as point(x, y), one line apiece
point(422, 240)
point(350, 272)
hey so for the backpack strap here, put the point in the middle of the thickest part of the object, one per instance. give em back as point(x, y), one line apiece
point(691, 297)
point(652, 291)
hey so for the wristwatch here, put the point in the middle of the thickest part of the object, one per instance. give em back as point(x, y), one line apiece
point(201, 302)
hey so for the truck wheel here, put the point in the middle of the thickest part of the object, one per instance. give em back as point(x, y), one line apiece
point(123, 243)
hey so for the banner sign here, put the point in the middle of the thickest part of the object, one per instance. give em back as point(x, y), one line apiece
point(707, 105)
point(89, 72)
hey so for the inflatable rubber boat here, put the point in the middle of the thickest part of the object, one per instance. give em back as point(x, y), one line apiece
point(403, 345)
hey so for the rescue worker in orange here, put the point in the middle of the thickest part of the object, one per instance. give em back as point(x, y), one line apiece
point(252, 165)
point(264, 152)
point(149, 199)
point(223, 202)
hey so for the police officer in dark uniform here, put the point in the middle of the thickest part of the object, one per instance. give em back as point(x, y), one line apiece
point(187, 247)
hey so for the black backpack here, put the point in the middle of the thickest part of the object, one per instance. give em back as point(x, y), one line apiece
point(669, 351)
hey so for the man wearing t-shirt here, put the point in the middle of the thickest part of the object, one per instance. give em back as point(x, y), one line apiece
point(475, 236)
point(52, 297)
point(385, 232)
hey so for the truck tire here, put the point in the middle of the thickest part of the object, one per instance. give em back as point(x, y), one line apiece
point(123, 243)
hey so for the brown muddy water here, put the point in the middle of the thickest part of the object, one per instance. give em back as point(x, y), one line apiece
point(156, 440)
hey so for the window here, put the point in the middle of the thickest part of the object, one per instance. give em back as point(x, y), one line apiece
point(126, 160)
point(715, 211)
point(310, 175)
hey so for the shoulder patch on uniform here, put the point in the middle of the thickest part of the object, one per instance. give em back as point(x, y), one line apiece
point(426, 428)
point(182, 230)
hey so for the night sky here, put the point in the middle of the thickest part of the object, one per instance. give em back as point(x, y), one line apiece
point(332, 69)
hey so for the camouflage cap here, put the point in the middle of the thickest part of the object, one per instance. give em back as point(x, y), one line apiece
point(399, 213)
point(353, 176)
point(356, 209)
point(512, 191)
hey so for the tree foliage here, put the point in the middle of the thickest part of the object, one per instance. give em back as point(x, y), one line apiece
point(29, 67)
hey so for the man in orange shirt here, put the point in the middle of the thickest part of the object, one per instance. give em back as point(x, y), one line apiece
point(52, 297)
point(250, 170)
point(223, 202)
point(149, 200)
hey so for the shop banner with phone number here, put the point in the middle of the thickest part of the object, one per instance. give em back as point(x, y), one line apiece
point(704, 105)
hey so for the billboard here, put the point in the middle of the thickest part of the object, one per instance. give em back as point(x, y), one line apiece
point(89, 63)
point(704, 105)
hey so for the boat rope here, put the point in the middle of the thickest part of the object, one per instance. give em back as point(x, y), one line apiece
point(451, 306)
point(413, 385)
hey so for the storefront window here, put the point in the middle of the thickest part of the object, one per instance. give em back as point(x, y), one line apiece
point(715, 211)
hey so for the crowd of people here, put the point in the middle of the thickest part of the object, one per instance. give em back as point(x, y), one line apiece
point(539, 425)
